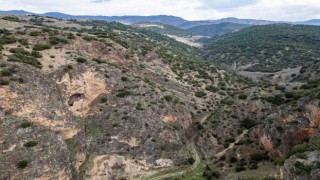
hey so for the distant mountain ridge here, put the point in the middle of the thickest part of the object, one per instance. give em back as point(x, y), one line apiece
point(165, 19)
point(170, 20)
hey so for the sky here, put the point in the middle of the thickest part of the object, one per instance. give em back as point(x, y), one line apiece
point(279, 10)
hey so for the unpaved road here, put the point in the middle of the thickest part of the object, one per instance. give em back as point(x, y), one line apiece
point(218, 155)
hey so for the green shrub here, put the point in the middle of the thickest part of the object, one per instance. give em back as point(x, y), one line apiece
point(46, 30)
point(36, 54)
point(89, 38)
point(276, 100)
point(259, 157)
point(240, 168)
point(67, 68)
point(26, 124)
point(20, 51)
point(81, 60)
point(139, 106)
point(23, 42)
point(124, 78)
point(200, 94)
point(7, 39)
point(25, 59)
point(35, 33)
point(99, 61)
point(300, 168)
point(242, 96)
point(22, 164)
point(309, 86)
point(168, 98)
point(8, 71)
point(190, 160)
point(200, 127)
point(293, 95)
point(30, 144)
point(103, 99)
point(227, 101)
point(212, 88)
point(301, 148)
point(11, 18)
point(53, 40)
point(248, 123)
point(123, 93)
point(70, 143)
point(233, 159)
point(41, 47)
point(70, 36)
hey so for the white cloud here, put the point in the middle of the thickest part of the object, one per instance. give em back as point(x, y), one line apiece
point(286, 10)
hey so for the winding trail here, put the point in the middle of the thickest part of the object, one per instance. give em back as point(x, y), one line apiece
point(223, 152)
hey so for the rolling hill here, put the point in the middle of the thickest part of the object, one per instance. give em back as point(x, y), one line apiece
point(217, 29)
point(268, 48)
point(163, 29)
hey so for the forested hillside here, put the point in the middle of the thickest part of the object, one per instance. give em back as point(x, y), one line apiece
point(268, 48)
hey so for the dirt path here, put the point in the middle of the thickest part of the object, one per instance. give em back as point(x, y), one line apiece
point(96, 168)
point(218, 155)
point(203, 120)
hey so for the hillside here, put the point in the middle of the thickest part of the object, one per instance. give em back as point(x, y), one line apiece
point(104, 93)
point(251, 22)
point(217, 29)
point(269, 48)
point(164, 29)
point(98, 100)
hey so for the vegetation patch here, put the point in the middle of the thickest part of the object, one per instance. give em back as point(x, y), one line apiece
point(81, 60)
point(7, 39)
point(26, 124)
point(227, 101)
point(25, 59)
point(200, 94)
point(139, 106)
point(22, 164)
point(11, 18)
point(71, 143)
point(92, 130)
point(30, 144)
point(301, 148)
point(41, 47)
point(123, 93)
point(212, 88)
point(248, 123)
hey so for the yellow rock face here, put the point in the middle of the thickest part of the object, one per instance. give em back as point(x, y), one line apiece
point(88, 86)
